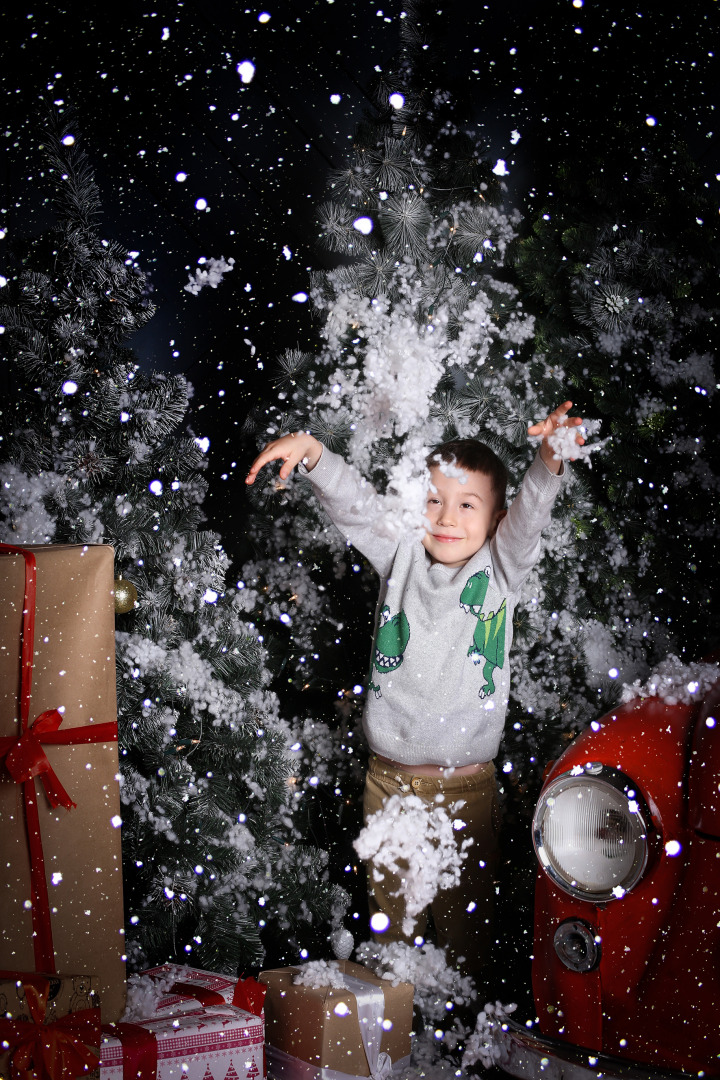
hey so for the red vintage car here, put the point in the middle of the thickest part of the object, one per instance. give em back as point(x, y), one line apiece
point(626, 968)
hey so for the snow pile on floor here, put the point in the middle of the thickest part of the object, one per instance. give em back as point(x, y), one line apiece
point(453, 1036)
point(482, 1044)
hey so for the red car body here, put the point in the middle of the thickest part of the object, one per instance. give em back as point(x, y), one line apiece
point(649, 995)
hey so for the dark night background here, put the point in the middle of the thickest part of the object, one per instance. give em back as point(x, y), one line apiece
point(157, 92)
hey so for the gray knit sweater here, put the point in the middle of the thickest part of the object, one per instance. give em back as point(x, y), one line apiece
point(439, 678)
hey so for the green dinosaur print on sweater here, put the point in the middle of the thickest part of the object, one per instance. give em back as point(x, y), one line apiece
point(391, 642)
point(488, 641)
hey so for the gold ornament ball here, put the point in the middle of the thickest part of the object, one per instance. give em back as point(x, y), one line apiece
point(125, 596)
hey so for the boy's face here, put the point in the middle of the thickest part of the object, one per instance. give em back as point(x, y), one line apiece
point(462, 516)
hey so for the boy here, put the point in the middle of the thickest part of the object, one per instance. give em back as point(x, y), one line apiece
point(439, 681)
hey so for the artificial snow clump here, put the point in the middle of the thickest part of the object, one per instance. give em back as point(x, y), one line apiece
point(416, 843)
point(22, 504)
point(566, 448)
point(675, 682)
point(317, 973)
point(403, 505)
point(210, 272)
point(483, 1045)
point(613, 657)
point(145, 992)
point(436, 982)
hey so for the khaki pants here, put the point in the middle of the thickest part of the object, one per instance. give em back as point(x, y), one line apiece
point(463, 915)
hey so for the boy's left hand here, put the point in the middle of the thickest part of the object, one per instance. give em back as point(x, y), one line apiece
point(557, 418)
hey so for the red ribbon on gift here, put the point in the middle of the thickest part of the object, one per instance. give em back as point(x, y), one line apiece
point(250, 995)
point(139, 1047)
point(25, 760)
point(54, 1051)
point(200, 993)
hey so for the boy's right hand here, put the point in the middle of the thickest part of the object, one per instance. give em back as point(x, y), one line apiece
point(291, 449)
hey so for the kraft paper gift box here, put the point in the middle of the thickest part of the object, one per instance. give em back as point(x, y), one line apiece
point(321, 1027)
point(61, 890)
point(218, 1042)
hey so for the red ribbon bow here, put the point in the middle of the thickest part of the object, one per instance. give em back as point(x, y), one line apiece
point(55, 1051)
point(25, 759)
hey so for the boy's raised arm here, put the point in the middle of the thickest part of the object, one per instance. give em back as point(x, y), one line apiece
point(350, 502)
point(291, 449)
point(517, 540)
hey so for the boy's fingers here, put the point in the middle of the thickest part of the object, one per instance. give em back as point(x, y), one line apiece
point(260, 461)
point(544, 427)
point(287, 468)
point(283, 449)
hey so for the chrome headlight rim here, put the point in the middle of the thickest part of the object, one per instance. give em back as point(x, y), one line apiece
point(614, 779)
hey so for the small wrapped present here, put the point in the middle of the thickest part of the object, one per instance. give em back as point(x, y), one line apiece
point(49, 1029)
point(61, 891)
point(360, 1028)
point(219, 1042)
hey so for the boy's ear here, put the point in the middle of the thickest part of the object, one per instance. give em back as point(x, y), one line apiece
point(498, 518)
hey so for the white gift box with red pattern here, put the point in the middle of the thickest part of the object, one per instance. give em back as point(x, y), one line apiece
point(217, 1042)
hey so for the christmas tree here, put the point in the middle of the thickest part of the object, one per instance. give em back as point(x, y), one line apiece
point(96, 451)
point(619, 262)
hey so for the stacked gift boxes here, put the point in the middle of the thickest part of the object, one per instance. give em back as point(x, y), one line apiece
point(53, 1031)
point(61, 891)
point(195, 1032)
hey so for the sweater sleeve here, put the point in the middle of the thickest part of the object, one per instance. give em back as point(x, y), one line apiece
point(353, 505)
point(516, 544)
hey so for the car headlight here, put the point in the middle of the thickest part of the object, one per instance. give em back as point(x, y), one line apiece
point(591, 833)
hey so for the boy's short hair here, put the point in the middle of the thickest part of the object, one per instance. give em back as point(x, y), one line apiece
point(475, 456)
